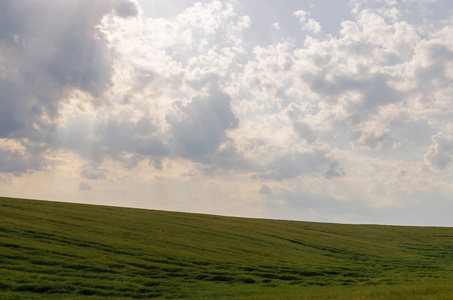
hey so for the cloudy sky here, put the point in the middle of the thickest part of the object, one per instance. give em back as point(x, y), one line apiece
point(317, 110)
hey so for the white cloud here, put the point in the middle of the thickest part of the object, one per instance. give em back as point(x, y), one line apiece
point(312, 25)
point(308, 24)
point(440, 153)
point(352, 126)
point(47, 57)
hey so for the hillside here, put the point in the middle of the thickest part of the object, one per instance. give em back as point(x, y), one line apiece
point(53, 250)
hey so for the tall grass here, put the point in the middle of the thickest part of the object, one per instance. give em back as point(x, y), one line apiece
point(52, 250)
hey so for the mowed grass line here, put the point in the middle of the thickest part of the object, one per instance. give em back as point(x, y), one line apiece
point(53, 250)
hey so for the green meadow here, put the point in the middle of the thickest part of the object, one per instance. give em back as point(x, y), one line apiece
point(53, 250)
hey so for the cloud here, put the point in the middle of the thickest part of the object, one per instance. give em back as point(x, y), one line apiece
point(360, 114)
point(309, 24)
point(49, 50)
point(370, 93)
point(83, 186)
point(93, 174)
point(292, 165)
point(334, 170)
point(265, 190)
point(17, 158)
point(300, 126)
point(118, 135)
point(126, 9)
point(440, 153)
point(203, 124)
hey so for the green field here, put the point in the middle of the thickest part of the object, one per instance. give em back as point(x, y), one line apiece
point(53, 250)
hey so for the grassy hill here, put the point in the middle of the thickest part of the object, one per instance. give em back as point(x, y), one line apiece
point(52, 250)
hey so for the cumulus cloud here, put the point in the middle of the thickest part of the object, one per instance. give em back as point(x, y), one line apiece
point(49, 50)
point(202, 126)
point(192, 98)
point(308, 24)
point(17, 158)
point(440, 153)
point(125, 9)
point(120, 138)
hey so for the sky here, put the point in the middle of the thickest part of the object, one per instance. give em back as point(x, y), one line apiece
point(326, 110)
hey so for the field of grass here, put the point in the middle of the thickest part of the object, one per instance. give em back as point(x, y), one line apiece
point(52, 250)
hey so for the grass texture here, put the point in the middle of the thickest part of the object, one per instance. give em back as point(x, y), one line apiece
point(53, 250)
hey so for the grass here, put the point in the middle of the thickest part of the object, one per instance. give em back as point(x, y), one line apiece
point(52, 250)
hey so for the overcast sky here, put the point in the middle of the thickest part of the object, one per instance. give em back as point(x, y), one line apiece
point(326, 110)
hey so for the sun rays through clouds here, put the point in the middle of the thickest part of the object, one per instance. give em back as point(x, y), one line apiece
point(316, 111)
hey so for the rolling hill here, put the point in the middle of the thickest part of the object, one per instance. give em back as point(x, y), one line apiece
point(54, 250)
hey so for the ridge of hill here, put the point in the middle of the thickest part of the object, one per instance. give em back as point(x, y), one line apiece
point(55, 250)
